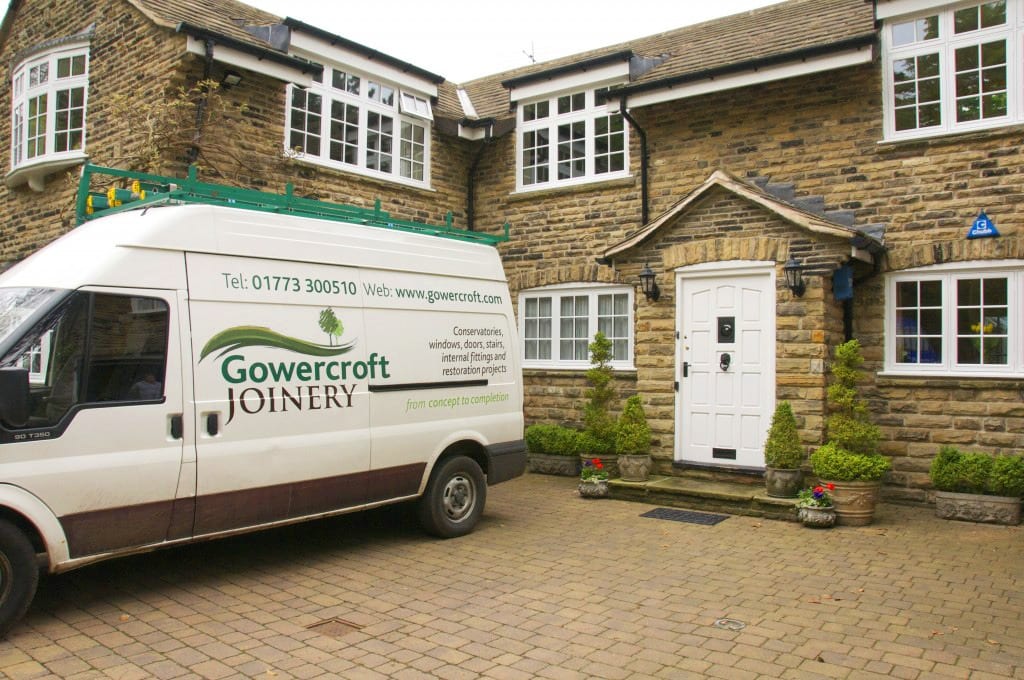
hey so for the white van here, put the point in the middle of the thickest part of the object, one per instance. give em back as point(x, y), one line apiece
point(184, 372)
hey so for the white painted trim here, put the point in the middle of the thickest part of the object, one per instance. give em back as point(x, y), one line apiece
point(472, 133)
point(886, 9)
point(736, 267)
point(591, 79)
point(467, 104)
point(794, 69)
point(249, 62)
point(319, 51)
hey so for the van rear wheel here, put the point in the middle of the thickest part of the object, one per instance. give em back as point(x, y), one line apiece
point(19, 575)
point(454, 499)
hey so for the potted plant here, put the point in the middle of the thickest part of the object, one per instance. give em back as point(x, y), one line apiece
point(850, 459)
point(783, 454)
point(599, 424)
point(593, 479)
point(815, 507)
point(977, 487)
point(552, 450)
point(633, 442)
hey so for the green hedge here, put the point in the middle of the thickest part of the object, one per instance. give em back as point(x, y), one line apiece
point(834, 463)
point(977, 472)
point(553, 439)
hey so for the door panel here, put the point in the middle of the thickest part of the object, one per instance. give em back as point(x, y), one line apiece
point(99, 448)
point(727, 338)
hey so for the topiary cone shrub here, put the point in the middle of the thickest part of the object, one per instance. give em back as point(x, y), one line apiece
point(599, 424)
point(782, 449)
point(633, 437)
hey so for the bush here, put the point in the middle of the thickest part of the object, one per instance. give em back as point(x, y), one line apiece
point(633, 436)
point(782, 449)
point(553, 439)
point(834, 463)
point(978, 473)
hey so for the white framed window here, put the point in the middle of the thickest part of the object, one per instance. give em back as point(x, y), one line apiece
point(354, 122)
point(558, 323)
point(954, 70)
point(568, 139)
point(961, 319)
point(48, 107)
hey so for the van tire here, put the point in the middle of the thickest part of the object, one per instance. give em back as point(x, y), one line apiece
point(454, 499)
point(19, 575)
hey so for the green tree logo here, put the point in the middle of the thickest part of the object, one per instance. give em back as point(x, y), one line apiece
point(331, 324)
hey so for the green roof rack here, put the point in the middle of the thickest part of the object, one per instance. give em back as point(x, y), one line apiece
point(145, 190)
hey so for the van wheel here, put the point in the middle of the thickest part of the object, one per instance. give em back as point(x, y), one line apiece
point(19, 575)
point(454, 499)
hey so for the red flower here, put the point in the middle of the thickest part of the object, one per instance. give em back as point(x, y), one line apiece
point(830, 486)
point(818, 489)
point(598, 464)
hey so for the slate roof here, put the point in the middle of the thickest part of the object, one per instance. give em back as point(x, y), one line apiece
point(762, 34)
point(765, 33)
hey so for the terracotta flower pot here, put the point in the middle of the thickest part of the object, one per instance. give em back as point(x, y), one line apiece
point(854, 502)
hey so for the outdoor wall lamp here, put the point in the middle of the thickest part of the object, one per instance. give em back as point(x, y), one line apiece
point(648, 285)
point(230, 79)
point(794, 276)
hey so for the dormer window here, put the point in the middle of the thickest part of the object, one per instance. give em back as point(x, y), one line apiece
point(569, 138)
point(357, 122)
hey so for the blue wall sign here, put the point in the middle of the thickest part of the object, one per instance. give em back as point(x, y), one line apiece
point(983, 227)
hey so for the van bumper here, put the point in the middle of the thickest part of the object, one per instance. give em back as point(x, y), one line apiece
point(505, 461)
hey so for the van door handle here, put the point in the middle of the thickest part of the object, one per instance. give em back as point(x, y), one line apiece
point(177, 426)
point(212, 424)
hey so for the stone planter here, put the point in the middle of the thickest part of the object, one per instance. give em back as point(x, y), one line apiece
point(854, 502)
point(817, 518)
point(783, 482)
point(634, 468)
point(553, 464)
point(969, 507)
point(593, 488)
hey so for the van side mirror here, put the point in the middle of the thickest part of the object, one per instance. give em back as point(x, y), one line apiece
point(14, 396)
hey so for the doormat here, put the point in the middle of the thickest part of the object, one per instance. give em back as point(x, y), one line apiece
point(689, 516)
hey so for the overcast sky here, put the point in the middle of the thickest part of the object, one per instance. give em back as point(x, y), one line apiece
point(466, 40)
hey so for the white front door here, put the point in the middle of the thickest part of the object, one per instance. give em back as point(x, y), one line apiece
point(725, 363)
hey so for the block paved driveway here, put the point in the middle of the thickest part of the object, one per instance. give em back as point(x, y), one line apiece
point(549, 586)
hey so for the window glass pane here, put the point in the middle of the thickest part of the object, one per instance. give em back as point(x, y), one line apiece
point(993, 14)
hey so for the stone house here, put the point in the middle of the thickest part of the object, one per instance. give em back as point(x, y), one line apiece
point(872, 148)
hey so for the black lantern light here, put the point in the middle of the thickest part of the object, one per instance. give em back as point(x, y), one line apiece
point(794, 276)
point(649, 285)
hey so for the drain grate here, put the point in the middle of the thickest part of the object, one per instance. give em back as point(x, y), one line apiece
point(334, 628)
point(675, 515)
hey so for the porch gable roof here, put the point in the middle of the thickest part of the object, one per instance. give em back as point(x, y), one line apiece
point(719, 178)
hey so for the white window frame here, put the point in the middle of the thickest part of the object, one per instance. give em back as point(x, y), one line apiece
point(945, 45)
point(588, 115)
point(949, 274)
point(592, 291)
point(402, 107)
point(23, 92)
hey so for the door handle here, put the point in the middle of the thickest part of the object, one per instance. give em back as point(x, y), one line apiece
point(212, 424)
point(725, 361)
point(177, 426)
point(686, 369)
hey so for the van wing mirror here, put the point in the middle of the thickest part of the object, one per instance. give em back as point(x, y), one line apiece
point(14, 396)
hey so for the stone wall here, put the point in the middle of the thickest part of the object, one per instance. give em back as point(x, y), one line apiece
point(141, 115)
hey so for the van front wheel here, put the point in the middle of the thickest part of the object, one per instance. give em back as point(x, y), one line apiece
point(19, 575)
point(454, 499)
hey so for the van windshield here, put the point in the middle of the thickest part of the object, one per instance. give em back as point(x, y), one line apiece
point(17, 304)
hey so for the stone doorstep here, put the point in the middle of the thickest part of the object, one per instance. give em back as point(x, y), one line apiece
point(734, 498)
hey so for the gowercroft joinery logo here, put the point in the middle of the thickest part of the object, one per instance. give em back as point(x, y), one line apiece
point(283, 386)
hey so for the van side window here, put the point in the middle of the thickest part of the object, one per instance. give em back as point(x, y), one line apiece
point(98, 348)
